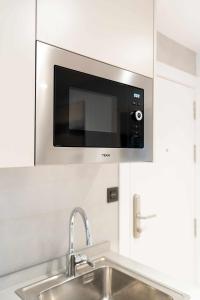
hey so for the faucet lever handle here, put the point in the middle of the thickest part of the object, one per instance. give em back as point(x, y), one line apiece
point(90, 263)
point(80, 258)
point(83, 259)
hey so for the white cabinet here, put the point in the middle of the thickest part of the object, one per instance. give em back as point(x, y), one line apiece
point(116, 32)
point(17, 82)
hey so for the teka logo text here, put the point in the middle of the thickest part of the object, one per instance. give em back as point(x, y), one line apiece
point(105, 154)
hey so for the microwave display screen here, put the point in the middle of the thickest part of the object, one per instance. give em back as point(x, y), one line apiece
point(92, 111)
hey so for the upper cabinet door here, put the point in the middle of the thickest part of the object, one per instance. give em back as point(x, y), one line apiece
point(17, 81)
point(116, 32)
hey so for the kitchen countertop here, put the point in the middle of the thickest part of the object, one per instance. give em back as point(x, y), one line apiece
point(17, 281)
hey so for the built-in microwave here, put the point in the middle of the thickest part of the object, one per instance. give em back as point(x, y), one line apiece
point(90, 111)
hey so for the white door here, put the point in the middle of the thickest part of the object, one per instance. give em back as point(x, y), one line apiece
point(166, 188)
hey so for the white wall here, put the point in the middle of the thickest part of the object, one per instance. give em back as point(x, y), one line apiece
point(178, 56)
point(35, 206)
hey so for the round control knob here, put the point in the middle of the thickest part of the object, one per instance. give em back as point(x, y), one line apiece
point(138, 115)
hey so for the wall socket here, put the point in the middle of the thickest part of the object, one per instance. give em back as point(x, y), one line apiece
point(112, 194)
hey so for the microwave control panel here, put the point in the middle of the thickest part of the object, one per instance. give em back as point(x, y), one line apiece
point(136, 119)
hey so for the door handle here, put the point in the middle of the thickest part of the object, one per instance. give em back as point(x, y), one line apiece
point(145, 217)
point(137, 217)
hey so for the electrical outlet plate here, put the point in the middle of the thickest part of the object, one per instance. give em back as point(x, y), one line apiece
point(112, 194)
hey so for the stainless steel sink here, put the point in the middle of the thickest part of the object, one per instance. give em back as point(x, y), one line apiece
point(107, 281)
point(104, 283)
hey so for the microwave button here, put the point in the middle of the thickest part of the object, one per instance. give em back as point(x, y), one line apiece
point(136, 141)
point(138, 115)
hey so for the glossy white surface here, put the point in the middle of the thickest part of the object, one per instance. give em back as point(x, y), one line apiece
point(176, 55)
point(35, 208)
point(17, 77)
point(119, 33)
point(180, 21)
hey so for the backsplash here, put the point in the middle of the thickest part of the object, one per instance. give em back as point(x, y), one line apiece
point(35, 208)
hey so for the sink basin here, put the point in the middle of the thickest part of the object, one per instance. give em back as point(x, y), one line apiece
point(103, 284)
point(107, 281)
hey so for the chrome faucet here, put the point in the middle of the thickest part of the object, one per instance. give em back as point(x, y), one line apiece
point(73, 259)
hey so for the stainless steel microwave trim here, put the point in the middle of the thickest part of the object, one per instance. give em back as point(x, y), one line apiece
point(45, 153)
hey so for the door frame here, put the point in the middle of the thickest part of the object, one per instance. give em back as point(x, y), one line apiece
point(125, 227)
point(197, 177)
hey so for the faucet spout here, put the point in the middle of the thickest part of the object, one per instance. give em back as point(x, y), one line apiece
point(72, 258)
point(78, 210)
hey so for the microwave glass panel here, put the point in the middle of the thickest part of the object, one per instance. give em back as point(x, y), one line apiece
point(91, 111)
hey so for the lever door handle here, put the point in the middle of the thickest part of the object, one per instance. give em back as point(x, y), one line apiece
point(138, 215)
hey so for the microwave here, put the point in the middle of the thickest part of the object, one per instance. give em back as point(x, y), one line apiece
point(90, 111)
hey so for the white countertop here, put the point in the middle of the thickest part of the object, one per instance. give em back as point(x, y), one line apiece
point(193, 292)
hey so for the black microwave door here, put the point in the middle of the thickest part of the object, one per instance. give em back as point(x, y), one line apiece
point(89, 111)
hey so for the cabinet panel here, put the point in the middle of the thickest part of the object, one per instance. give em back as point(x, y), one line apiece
point(117, 32)
point(17, 80)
